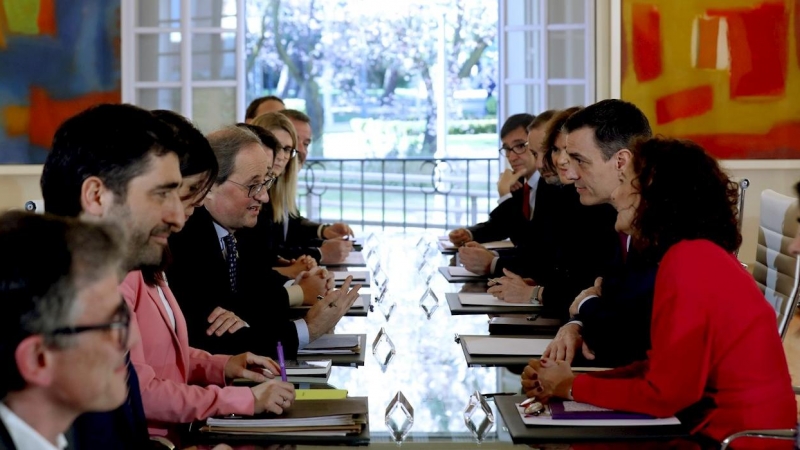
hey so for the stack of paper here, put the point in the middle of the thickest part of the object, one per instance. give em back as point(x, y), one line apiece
point(358, 275)
point(318, 368)
point(333, 344)
point(489, 345)
point(485, 299)
point(305, 418)
point(461, 272)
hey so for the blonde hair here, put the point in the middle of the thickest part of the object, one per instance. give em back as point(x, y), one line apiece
point(283, 193)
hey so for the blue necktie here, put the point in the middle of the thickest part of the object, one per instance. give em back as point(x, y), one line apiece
point(231, 255)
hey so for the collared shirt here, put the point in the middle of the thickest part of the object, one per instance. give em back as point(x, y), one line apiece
point(24, 436)
point(303, 336)
point(170, 312)
point(533, 182)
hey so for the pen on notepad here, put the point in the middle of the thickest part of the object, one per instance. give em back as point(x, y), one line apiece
point(281, 362)
point(497, 394)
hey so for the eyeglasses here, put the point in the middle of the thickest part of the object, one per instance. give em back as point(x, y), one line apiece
point(516, 148)
point(121, 325)
point(291, 151)
point(254, 189)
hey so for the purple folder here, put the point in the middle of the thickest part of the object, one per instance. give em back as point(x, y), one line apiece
point(581, 411)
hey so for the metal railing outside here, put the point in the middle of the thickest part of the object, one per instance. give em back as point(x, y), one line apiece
point(407, 193)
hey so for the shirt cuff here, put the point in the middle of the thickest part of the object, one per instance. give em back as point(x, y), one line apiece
point(470, 234)
point(295, 295)
point(494, 264)
point(503, 198)
point(584, 301)
point(319, 231)
point(577, 322)
point(302, 333)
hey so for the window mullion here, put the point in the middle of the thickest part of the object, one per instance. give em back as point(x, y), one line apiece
point(186, 58)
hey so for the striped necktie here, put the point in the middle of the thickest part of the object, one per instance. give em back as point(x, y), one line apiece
point(231, 254)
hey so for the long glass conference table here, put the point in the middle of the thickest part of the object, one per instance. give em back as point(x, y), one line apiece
point(417, 358)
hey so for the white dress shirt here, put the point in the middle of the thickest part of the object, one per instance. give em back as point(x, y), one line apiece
point(24, 436)
point(303, 336)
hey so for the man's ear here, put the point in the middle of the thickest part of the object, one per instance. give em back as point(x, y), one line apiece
point(34, 361)
point(622, 159)
point(95, 197)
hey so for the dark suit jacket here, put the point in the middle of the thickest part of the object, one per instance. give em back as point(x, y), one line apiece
point(569, 246)
point(5, 439)
point(125, 428)
point(506, 221)
point(616, 326)
point(198, 276)
point(268, 237)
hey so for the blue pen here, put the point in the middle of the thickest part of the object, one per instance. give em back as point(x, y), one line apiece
point(281, 361)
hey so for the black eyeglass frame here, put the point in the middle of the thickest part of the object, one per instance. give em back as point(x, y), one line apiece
point(523, 147)
point(123, 325)
point(257, 187)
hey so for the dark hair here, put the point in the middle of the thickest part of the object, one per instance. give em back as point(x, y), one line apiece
point(554, 127)
point(45, 261)
point(296, 115)
point(111, 142)
point(198, 158)
point(616, 124)
point(267, 138)
point(540, 119)
point(684, 195)
point(797, 189)
point(253, 107)
point(516, 121)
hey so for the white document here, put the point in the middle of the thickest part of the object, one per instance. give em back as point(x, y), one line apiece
point(498, 245)
point(506, 346)
point(358, 275)
point(461, 272)
point(484, 299)
point(359, 303)
point(447, 245)
point(354, 259)
point(545, 419)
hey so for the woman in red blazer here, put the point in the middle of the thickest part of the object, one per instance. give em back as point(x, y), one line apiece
point(716, 359)
point(181, 384)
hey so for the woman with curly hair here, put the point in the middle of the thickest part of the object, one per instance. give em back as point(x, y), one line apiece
point(556, 159)
point(716, 359)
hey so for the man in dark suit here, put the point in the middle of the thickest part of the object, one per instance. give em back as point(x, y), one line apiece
point(615, 311)
point(63, 332)
point(117, 164)
point(210, 270)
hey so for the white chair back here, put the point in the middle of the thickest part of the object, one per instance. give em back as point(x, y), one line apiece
point(776, 271)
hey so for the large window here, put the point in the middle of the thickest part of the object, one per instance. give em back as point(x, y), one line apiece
point(186, 56)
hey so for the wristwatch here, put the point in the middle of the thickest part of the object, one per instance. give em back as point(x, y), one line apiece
point(535, 294)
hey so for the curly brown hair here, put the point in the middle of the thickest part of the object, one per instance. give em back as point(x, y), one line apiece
point(684, 195)
point(554, 127)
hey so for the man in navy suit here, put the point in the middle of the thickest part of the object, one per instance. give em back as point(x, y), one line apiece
point(117, 164)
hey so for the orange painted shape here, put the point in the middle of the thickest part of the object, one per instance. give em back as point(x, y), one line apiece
point(708, 32)
point(797, 30)
point(3, 26)
point(48, 113)
point(47, 17)
point(646, 41)
point(16, 120)
point(780, 142)
point(759, 59)
point(682, 104)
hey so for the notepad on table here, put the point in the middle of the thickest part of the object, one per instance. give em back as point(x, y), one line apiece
point(333, 344)
point(320, 394)
point(358, 275)
point(594, 416)
point(337, 417)
point(497, 245)
point(484, 299)
point(461, 272)
point(506, 346)
point(354, 259)
point(321, 367)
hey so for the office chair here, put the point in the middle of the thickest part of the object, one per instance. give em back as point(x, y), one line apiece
point(781, 435)
point(744, 183)
point(36, 206)
point(776, 271)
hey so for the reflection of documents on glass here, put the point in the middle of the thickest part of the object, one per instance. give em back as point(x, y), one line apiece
point(547, 419)
point(479, 345)
point(333, 344)
point(358, 275)
point(354, 259)
point(461, 272)
point(484, 299)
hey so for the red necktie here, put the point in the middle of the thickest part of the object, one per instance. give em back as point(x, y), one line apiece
point(623, 242)
point(526, 201)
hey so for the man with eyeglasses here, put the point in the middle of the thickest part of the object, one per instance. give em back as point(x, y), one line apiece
point(518, 188)
point(64, 327)
point(210, 269)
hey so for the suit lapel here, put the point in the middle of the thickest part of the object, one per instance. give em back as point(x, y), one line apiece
point(5, 438)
